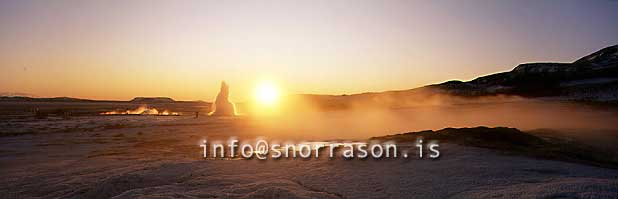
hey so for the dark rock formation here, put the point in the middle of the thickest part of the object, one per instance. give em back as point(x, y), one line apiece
point(222, 105)
point(515, 142)
point(151, 100)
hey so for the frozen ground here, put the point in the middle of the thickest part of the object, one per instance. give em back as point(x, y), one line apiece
point(159, 157)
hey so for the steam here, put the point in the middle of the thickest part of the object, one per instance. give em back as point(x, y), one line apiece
point(142, 110)
point(376, 116)
point(222, 105)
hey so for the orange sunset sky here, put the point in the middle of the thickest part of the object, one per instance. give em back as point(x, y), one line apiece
point(183, 49)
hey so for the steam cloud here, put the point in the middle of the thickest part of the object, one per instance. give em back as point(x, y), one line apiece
point(222, 105)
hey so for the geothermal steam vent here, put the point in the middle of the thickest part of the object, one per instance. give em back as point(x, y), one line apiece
point(222, 105)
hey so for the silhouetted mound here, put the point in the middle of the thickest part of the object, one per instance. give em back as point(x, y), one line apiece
point(495, 138)
point(151, 100)
point(515, 142)
point(222, 105)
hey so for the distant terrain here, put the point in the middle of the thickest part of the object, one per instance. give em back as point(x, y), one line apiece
point(144, 100)
point(61, 106)
point(593, 78)
point(590, 79)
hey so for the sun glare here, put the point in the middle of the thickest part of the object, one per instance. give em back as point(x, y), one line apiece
point(266, 93)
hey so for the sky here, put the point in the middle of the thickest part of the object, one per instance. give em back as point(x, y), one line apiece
point(117, 49)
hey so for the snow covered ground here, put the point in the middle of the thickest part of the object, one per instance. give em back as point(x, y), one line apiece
point(159, 157)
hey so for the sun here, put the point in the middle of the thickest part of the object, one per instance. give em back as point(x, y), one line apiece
point(266, 93)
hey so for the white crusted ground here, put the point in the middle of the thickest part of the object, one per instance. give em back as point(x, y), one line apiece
point(160, 158)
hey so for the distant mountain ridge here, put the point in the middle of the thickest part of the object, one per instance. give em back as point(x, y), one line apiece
point(592, 78)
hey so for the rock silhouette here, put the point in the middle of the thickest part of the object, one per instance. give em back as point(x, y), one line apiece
point(222, 105)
